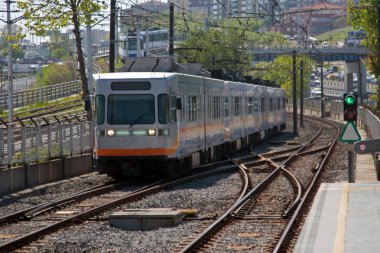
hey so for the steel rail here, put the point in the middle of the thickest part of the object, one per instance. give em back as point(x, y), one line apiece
point(302, 204)
point(196, 242)
point(149, 189)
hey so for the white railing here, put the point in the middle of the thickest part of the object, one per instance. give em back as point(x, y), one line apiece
point(21, 145)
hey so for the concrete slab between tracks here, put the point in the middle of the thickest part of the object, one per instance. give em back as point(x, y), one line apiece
point(345, 217)
point(145, 219)
point(29, 175)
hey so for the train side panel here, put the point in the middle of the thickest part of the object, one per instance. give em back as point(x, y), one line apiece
point(191, 123)
point(214, 125)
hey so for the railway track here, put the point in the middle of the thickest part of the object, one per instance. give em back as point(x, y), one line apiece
point(47, 114)
point(90, 204)
point(265, 219)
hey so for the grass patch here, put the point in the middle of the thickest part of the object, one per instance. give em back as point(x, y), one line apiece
point(335, 35)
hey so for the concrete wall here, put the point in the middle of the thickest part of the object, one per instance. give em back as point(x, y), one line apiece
point(18, 178)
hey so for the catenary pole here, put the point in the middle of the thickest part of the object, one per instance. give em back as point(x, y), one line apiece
point(294, 92)
point(112, 36)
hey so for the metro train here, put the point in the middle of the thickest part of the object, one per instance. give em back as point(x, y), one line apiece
point(172, 121)
point(152, 40)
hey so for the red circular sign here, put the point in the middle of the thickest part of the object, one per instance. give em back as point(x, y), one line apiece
point(362, 147)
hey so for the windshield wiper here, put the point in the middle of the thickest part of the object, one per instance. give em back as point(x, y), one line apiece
point(139, 117)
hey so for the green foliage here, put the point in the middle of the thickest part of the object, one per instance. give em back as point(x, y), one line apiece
point(224, 46)
point(46, 15)
point(15, 39)
point(281, 71)
point(43, 154)
point(364, 16)
point(56, 73)
point(61, 46)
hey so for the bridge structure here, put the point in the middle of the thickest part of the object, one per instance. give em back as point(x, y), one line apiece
point(352, 56)
point(346, 54)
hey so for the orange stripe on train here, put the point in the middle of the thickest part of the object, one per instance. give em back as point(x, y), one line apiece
point(136, 152)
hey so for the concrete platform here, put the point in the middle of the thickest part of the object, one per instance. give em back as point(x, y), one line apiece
point(365, 165)
point(344, 218)
point(145, 219)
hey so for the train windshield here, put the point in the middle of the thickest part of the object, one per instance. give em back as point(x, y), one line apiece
point(130, 109)
point(132, 43)
point(99, 105)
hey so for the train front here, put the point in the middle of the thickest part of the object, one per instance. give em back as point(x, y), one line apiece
point(136, 121)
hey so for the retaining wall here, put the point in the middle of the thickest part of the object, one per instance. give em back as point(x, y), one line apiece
point(29, 175)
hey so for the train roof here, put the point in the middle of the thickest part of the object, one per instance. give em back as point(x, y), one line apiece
point(134, 75)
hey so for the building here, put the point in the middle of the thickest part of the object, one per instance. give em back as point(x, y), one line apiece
point(315, 19)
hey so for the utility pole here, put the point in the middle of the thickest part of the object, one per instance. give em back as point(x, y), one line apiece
point(138, 38)
point(112, 36)
point(10, 85)
point(295, 92)
point(10, 65)
point(89, 98)
point(171, 30)
point(116, 36)
point(322, 95)
point(301, 98)
point(378, 53)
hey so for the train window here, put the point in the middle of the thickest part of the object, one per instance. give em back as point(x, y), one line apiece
point(192, 108)
point(270, 104)
point(226, 107)
point(278, 104)
point(262, 104)
point(131, 109)
point(130, 85)
point(237, 107)
point(210, 102)
point(100, 109)
point(249, 105)
point(173, 109)
point(256, 104)
point(189, 108)
point(216, 108)
point(283, 103)
point(163, 108)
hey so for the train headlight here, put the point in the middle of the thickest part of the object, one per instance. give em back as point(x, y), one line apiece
point(110, 132)
point(152, 132)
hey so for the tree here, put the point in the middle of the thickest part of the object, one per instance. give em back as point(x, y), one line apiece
point(224, 44)
point(60, 46)
point(44, 15)
point(281, 71)
point(16, 38)
point(56, 73)
point(364, 16)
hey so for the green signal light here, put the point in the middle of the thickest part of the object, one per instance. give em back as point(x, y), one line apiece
point(349, 100)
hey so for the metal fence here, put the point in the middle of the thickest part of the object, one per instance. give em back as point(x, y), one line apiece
point(47, 93)
point(334, 110)
point(20, 145)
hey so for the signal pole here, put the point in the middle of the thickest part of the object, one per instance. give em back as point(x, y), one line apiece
point(112, 36)
point(301, 97)
point(10, 85)
point(10, 65)
point(322, 95)
point(171, 30)
point(294, 93)
point(378, 41)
